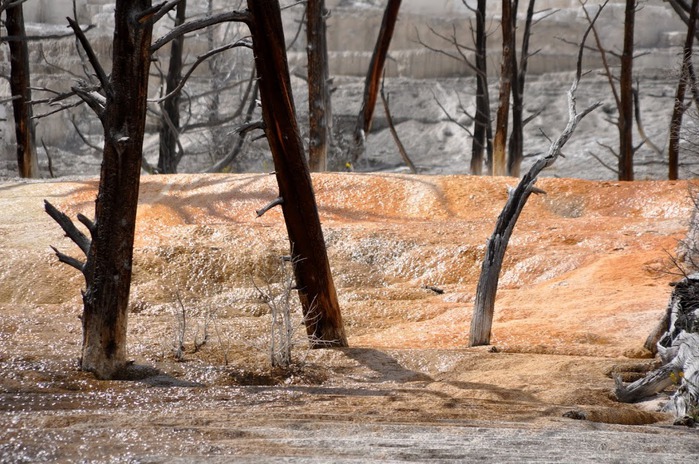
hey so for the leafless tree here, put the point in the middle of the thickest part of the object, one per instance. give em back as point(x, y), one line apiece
point(482, 133)
point(169, 156)
point(316, 288)
point(499, 166)
point(624, 94)
point(482, 127)
point(679, 105)
point(519, 70)
point(194, 121)
point(484, 306)
point(120, 103)
point(625, 123)
point(20, 87)
point(319, 102)
point(373, 77)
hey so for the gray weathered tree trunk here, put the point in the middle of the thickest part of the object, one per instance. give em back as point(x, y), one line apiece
point(484, 305)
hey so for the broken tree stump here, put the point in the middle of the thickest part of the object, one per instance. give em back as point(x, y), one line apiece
point(679, 351)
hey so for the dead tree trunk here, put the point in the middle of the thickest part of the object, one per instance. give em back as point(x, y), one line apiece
point(679, 351)
point(679, 106)
point(499, 166)
point(21, 92)
point(516, 145)
point(319, 111)
point(482, 127)
point(373, 77)
point(169, 156)
point(626, 150)
point(484, 306)
point(107, 269)
point(312, 270)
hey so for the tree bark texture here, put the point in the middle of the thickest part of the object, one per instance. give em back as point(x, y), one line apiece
point(312, 269)
point(625, 122)
point(499, 167)
point(482, 128)
point(679, 107)
point(373, 77)
point(27, 162)
point(109, 262)
point(319, 103)
point(169, 157)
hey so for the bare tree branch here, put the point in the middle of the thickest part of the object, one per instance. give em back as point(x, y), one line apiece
point(392, 128)
point(244, 42)
point(68, 227)
point(9, 4)
point(91, 56)
point(156, 12)
point(239, 16)
point(276, 202)
point(82, 136)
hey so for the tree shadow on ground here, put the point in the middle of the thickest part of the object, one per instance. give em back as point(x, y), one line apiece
point(153, 377)
point(387, 369)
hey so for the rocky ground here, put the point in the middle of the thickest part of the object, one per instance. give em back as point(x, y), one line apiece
point(585, 280)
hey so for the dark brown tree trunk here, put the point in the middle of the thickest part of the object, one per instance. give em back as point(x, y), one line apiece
point(312, 269)
point(499, 167)
point(516, 146)
point(169, 156)
point(679, 107)
point(625, 122)
point(109, 253)
point(109, 263)
point(373, 77)
point(319, 109)
point(482, 128)
point(20, 87)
